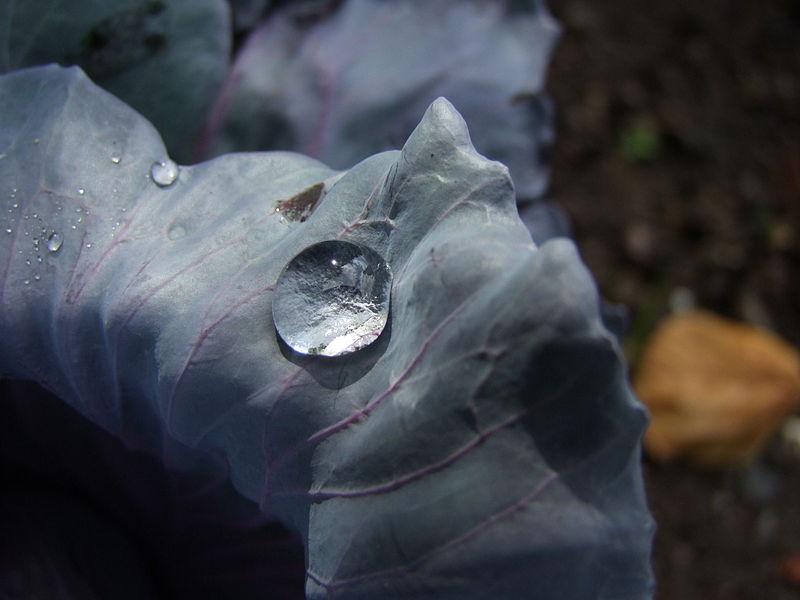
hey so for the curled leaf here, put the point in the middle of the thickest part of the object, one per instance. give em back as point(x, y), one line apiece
point(486, 445)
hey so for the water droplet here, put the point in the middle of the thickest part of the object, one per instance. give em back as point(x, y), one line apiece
point(176, 232)
point(36, 277)
point(54, 242)
point(332, 299)
point(35, 140)
point(89, 245)
point(116, 159)
point(27, 282)
point(81, 191)
point(164, 172)
point(9, 230)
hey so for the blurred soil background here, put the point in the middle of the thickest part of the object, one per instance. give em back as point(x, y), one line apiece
point(678, 160)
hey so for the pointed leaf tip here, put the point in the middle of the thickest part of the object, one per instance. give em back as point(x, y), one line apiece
point(442, 117)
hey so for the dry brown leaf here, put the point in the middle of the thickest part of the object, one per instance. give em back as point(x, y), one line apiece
point(717, 389)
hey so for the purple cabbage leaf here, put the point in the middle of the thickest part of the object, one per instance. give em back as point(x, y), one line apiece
point(350, 85)
point(486, 445)
point(166, 58)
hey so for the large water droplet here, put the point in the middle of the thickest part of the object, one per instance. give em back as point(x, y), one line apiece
point(54, 242)
point(332, 299)
point(164, 172)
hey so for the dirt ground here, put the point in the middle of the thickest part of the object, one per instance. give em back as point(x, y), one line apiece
point(678, 160)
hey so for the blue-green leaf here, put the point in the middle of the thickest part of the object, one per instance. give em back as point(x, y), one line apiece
point(486, 445)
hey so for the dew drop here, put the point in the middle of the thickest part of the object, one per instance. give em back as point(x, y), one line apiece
point(164, 172)
point(36, 277)
point(54, 242)
point(81, 191)
point(116, 159)
point(176, 232)
point(332, 299)
point(9, 230)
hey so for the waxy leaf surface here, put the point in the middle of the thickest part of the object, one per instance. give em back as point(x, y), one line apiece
point(486, 445)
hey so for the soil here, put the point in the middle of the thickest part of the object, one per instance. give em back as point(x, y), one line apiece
point(678, 161)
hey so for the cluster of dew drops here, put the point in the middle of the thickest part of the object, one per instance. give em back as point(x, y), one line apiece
point(45, 239)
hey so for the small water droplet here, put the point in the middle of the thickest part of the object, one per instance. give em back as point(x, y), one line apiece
point(54, 242)
point(332, 299)
point(35, 140)
point(81, 191)
point(36, 276)
point(164, 172)
point(9, 230)
point(176, 232)
point(116, 159)
point(27, 282)
point(89, 245)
